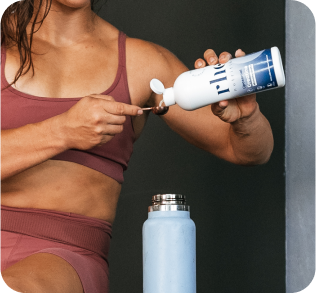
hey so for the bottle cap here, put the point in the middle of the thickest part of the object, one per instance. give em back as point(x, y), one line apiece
point(168, 95)
point(168, 202)
point(278, 66)
point(163, 199)
point(157, 86)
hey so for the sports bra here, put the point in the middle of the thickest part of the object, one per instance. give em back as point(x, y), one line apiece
point(111, 159)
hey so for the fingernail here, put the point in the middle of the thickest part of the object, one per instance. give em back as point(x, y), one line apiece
point(225, 57)
point(199, 63)
point(212, 60)
point(222, 58)
point(139, 112)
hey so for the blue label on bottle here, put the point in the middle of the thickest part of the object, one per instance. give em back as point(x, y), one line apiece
point(261, 71)
point(255, 71)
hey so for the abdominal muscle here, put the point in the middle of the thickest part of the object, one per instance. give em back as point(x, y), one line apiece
point(63, 186)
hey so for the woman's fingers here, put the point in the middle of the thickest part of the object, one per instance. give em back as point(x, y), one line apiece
point(239, 53)
point(117, 108)
point(112, 130)
point(223, 104)
point(210, 57)
point(94, 120)
point(199, 63)
point(104, 97)
point(114, 119)
point(225, 57)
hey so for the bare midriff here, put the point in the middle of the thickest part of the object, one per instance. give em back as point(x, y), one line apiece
point(63, 186)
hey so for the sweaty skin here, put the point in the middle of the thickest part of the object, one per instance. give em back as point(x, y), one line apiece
point(234, 130)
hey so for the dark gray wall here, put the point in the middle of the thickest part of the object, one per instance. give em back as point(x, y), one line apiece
point(300, 146)
point(238, 211)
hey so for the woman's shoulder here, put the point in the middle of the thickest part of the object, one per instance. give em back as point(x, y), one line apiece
point(152, 58)
point(145, 59)
point(148, 50)
point(137, 49)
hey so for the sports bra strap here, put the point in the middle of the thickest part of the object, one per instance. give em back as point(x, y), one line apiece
point(122, 49)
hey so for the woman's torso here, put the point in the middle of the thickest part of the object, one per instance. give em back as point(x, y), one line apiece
point(88, 67)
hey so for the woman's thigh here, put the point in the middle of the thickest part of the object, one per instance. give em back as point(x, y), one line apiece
point(42, 273)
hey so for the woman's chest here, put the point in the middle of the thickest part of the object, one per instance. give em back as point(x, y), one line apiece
point(66, 75)
point(61, 73)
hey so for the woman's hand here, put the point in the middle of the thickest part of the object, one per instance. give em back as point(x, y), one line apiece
point(234, 109)
point(94, 120)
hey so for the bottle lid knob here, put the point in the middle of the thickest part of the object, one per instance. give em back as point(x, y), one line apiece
point(157, 86)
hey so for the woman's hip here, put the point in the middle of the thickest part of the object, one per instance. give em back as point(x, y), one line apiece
point(82, 241)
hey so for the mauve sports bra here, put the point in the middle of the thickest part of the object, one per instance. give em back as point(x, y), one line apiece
point(111, 159)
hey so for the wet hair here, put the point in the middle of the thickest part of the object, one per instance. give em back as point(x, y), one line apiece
point(14, 22)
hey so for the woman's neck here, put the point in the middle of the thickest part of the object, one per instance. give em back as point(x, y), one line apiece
point(64, 25)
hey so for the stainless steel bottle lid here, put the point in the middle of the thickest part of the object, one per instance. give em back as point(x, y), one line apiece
point(168, 202)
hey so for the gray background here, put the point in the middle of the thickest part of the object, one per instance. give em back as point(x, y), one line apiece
point(239, 211)
point(300, 146)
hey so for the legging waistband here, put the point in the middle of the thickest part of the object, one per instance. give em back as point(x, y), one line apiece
point(67, 228)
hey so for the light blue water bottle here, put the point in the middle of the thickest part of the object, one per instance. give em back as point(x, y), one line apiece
point(169, 251)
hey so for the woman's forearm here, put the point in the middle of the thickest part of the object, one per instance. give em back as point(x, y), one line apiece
point(27, 146)
point(251, 139)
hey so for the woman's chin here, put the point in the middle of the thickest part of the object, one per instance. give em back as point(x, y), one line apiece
point(73, 3)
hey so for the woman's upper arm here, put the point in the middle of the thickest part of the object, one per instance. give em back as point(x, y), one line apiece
point(200, 127)
point(145, 61)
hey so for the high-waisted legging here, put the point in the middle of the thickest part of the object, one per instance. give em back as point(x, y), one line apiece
point(82, 241)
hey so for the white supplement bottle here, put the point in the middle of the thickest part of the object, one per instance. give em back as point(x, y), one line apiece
point(238, 77)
